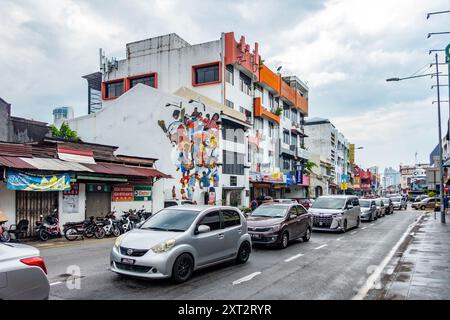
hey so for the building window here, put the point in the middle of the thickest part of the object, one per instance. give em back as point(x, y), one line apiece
point(258, 124)
point(286, 164)
point(294, 140)
point(147, 80)
point(229, 104)
point(245, 83)
point(271, 101)
point(206, 74)
point(271, 129)
point(294, 116)
point(232, 134)
point(233, 163)
point(287, 111)
point(113, 89)
point(286, 137)
point(230, 74)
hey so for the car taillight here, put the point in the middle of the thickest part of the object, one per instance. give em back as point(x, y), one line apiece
point(35, 261)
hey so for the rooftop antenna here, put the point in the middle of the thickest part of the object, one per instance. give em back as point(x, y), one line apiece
point(415, 157)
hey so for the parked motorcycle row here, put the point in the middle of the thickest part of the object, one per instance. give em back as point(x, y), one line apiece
point(98, 227)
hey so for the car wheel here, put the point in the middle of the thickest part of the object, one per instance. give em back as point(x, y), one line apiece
point(182, 268)
point(307, 235)
point(344, 227)
point(243, 253)
point(422, 207)
point(284, 240)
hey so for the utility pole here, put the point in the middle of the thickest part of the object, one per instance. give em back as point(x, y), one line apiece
point(441, 171)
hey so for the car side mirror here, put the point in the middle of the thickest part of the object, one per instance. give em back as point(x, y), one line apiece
point(203, 229)
point(292, 216)
point(349, 206)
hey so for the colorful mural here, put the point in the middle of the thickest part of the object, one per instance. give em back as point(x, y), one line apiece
point(195, 151)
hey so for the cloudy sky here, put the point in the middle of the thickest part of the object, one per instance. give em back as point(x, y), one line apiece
point(344, 49)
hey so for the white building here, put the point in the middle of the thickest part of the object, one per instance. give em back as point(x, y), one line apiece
point(231, 73)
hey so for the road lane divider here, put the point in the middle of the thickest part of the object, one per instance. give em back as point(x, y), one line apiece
point(320, 247)
point(363, 228)
point(370, 282)
point(354, 232)
point(55, 283)
point(246, 278)
point(339, 239)
point(293, 257)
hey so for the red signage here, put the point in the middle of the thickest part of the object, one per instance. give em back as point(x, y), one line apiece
point(122, 193)
point(74, 190)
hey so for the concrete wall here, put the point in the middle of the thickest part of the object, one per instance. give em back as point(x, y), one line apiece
point(131, 123)
point(65, 217)
point(8, 203)
point(5, 114)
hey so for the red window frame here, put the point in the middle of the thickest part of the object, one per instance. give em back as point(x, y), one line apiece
point(104, 83)
point(128, 80)
point(194, 67)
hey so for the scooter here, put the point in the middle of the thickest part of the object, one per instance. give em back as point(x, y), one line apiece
point(110, 225)
point(143, 215)
point(49, 227)
point(4, 234)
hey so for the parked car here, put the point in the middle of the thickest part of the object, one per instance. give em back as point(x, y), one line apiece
point(284, 201)
point(304, 202)
point(23, 274)
point(427, 203)
point(389, 206)
point(398, 203)
point(369, 211)
point(173, 203)
point(279, 223)
point(336, 213)
point(381, 208)
point(176, 241)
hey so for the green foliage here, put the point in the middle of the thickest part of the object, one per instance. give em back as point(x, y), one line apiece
point(246, 210)
point(308, 166)
point(64, 132)
point(278, 111)
point(432, 194)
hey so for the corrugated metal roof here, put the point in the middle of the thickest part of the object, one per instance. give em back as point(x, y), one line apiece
point(55, 165)
point(14, 162)
point(117, 169)
point(15, 149)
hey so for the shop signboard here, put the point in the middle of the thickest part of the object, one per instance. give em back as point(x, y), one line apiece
point(122, 193)
point(26, 182)
point(142, 193)
point(98, 187)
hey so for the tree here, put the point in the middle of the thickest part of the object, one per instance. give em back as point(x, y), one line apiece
point(64, 132)
point(308, 166)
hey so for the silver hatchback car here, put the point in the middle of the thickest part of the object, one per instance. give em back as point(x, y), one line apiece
point(23, 274)
point(178, 240)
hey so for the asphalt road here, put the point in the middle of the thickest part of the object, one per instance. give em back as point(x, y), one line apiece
point(330, 266)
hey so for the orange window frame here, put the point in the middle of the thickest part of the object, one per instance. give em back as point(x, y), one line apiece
point(128, 80)
point(105, 83)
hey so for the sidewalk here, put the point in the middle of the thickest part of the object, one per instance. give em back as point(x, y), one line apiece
point(420, 269)
point(62, 242)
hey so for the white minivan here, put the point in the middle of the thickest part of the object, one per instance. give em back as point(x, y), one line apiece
point(336, 213)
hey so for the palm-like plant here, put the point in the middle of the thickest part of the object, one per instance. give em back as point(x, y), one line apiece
point(308, 166)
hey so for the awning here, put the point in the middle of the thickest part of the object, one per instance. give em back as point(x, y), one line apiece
point(55, 165)
point(14, 162)
point(117, 169)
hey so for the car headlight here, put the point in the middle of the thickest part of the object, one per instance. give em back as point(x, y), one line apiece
point(275, 228)
point(119, 241)
point(164, 246)
point(337, 215)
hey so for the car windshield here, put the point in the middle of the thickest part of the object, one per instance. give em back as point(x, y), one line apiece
point(378, 202)
point(364, 203)
point(178, 220)
point(270, 211)
point(396, 199)
point(329, 203)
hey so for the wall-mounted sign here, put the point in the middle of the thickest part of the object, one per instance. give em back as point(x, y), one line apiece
point(98, 187)
point(142, 193)
point(21, 181)
point(74, 190)
point(122, 193)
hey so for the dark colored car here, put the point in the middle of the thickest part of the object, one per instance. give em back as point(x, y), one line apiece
point(279, 223)
point(388, 205)
point(304, 202)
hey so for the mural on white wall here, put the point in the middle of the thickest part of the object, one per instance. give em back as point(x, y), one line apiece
point(195, 151)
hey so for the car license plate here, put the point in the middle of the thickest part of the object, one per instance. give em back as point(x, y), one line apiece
point(255, 236)
point(320, 223)
point(128, 261)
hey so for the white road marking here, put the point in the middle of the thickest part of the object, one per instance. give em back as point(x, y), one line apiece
point(371, 225)
point(339, 239)
point(353, 232)
point(370, 282)
point(364, 228)
point(293, 257)
point(320, 247)
point(246, 278)
point(55, 283)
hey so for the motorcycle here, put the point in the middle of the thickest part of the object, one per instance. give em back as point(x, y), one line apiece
point(49, 227)
point(129, 220)
point(4, 234)
point(143, 215)
point(110, 225)
point(87, 228)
